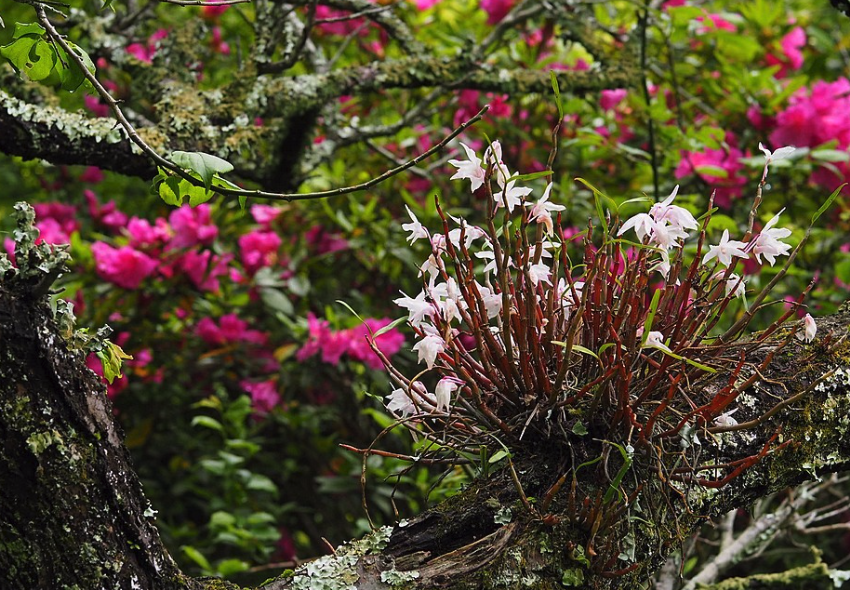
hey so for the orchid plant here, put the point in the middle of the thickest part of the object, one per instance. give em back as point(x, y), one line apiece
point(600, 358)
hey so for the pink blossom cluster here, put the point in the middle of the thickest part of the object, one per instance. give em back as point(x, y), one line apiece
point(333, 344)
point(229, 330)
point(815, 116)
point(720, 168)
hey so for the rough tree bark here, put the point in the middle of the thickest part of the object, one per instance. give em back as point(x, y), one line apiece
point(73, 514)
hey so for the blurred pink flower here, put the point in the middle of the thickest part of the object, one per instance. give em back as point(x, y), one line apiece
point(792, 57)
point(125, 266)
point(609, 99)
point(713, 22)
point(496, 9)
point(426, 4)
point(146, 52)
point(213, 12)
point(324, 242)
point(143, 234)
point(204, 268)
point(389, 343)
point(265, 214)
point(92, 175)
point(107, 215)
point(264, 395)
point(259, 249)
point(192, 226)
point(229, 329)
point(728, 187)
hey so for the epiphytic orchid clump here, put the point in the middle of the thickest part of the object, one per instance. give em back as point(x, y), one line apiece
point(599, 361)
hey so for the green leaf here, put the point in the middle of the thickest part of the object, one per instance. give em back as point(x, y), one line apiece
point(598, 197)
point(828, 203)
point(197, 557)
point(112, 357)
point(579, 429)
point(73, 76)
point(713, 171)
point(573, 577)
point(276, 300)
point(169, 191)
point(261, 483)
point(583, 350)
point(18, 52)
point(207, 422)
point(556, 88)
point(22, 29)
point(389, 327)
point(229, 567)
point(831, 155)
point(205, 165)
point(498, 456)
point(650, 317)
point(42, 57)
point(197, 194)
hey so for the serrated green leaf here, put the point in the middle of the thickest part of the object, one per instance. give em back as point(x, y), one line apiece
point(204, 165)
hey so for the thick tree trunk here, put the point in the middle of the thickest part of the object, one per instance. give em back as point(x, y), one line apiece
point(72, 512)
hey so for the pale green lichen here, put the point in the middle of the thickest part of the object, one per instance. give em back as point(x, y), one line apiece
point(396, 578)
point(339, 571)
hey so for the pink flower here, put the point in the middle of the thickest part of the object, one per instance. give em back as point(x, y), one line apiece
point(264, 395)
point(316, 332)
point(92, 175)
point(145, 53)
point(729, 184)
point(192, 226)
point(389, 343)
point(107, 215)
point(143, 234)
point(64, 215)
point(259, 249)
point(324, 242)
point(611, 98)
point(95, 106)
point(792, 57)
point(230, 329)
point(426, 4)
point(496, 9)
point(213, 12)
point(125, 266)
point(204, 268)
point(712, 22)
point(217, 44)
point(265, 214)
point(51, 232)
